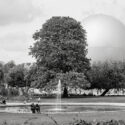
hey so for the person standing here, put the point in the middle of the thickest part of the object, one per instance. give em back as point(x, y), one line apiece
point(39, 100)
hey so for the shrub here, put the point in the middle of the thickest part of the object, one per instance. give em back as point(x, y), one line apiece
point(13, 92)
point(77, 122)
point(91, 94)
point(111, 122)
point(3, 91)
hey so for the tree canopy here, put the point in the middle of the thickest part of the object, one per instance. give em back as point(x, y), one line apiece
point(16, 76)
point(1, 76)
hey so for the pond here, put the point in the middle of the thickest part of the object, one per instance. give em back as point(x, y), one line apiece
point(64, 108)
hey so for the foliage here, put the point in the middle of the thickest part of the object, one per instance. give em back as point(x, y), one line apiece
point(108, 75)
point(3, 91)
point(35, 76)
point(74, 80)
point(13, 91)
point(111, 122)
point(77, 122)
point(8, 91)
point(8, 66)
point(60, 47)
point(16, 76)
point(31, 76)
point(1, 76)
point(1, 64)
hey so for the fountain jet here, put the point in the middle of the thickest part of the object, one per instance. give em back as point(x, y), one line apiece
point(58, 98)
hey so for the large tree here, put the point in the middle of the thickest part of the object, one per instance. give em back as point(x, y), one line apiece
point(60, 47)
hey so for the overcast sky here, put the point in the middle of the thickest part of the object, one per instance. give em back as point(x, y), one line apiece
point(19, 19)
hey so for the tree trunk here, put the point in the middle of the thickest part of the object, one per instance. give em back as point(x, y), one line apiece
point(65, 92)
point(105, 91)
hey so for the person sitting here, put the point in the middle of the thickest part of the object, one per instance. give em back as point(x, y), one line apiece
point(37, 108)
point(32, 108)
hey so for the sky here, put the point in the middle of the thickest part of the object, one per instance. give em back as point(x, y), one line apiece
point(19, 19)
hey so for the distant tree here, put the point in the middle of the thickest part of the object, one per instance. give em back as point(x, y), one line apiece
point(16, 77)
point(107, 75)
point(1, 76)
point(31, 76)
point(8, 66)
point(60, 47)
point(1, 64)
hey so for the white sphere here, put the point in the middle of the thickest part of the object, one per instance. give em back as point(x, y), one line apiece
point(105, 38)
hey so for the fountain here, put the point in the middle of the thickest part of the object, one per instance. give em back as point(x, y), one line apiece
point(58, 98)
point(57, 105)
